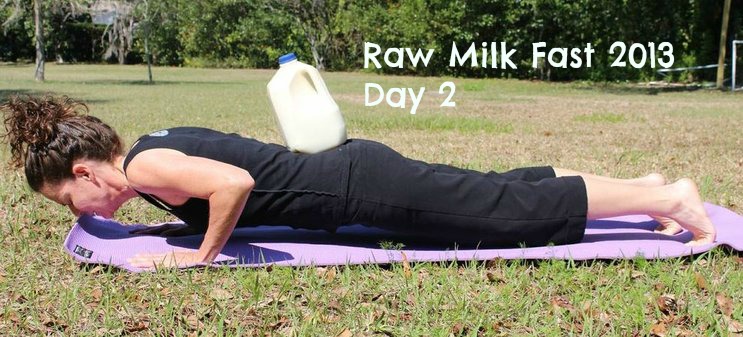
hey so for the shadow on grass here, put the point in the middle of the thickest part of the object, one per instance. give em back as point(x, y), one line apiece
point(491, 264)
point(100, 268)
point(5, 94)
point(145, 82)
point(722, 250)
point(626, 89)
point(17, 64)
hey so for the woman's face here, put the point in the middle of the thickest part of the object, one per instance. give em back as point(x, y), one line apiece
point(83, 196)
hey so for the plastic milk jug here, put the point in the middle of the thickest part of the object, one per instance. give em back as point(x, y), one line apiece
point(309, 119)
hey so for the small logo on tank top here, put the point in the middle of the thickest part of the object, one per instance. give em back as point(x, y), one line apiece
point(161, 133)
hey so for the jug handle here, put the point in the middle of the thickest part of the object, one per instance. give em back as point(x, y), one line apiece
point(319, 84)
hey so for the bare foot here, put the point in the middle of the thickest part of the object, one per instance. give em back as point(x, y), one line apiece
point(689, 212)
point(666, 225)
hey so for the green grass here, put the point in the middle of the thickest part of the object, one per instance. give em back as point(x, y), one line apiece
point(474, 85)
point(401, 122)
point(497, 124)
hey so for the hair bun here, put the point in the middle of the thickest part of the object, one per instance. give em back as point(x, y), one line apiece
point(31, 122)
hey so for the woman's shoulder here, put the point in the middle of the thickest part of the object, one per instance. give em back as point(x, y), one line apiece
point(183, 130)
point(177, 135)
point(177, 138)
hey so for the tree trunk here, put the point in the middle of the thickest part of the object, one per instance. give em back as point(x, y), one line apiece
point(315, 54)
point(39, 41)
point(121, 55)
point(147, 53)
point(147, 26)
point(723, 44)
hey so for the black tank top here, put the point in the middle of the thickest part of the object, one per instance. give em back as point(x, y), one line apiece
point(299, 190)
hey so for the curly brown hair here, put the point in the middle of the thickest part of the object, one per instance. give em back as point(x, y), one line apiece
point(47, 134)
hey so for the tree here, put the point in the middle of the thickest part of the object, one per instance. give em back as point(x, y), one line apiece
point(70, 5)
point(38, 32)
point(58, 16)
point(147, 28)
point(15, 14)
point(723, 44)
point(119, 33)
point(315, 17)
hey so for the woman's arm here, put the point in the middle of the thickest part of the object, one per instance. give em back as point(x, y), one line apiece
point(175, 177)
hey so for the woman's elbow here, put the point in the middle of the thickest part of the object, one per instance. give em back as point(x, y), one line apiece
point(246, 184)
point(240, 183)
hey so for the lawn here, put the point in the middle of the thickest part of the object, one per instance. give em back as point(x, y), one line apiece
point(497, 124)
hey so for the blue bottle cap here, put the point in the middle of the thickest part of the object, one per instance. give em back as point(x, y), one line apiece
point(287, 58)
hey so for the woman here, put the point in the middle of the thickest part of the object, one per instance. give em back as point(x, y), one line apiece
point(215, 181)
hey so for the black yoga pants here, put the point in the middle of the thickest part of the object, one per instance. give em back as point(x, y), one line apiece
point(442, 203)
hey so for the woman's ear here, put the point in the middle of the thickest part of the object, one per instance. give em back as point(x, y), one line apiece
point(83, 171)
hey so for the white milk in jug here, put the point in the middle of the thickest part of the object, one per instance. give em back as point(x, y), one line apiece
point(308, 117)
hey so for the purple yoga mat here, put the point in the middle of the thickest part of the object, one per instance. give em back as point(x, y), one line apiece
point(101, 241)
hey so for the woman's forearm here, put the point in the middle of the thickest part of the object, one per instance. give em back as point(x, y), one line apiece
point(225, 208)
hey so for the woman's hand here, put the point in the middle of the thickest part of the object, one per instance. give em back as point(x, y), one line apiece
point(168, 229)
point(174, 259)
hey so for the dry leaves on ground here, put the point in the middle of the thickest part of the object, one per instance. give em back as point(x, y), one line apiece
point(659, 330)
point(406, 266)
point(220, 294)
point(345, 333)
point(701, 281)
point(725, 304)
point(326, 273)
point(560, 302)
point(495, 276)
point(136, 325)
point(668, 304)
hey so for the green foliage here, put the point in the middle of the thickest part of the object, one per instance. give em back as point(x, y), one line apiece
point(73, 39)
point(225, 33)
point(15, 39)
point(331, 34)
point(69, 38)
point(391, 245)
